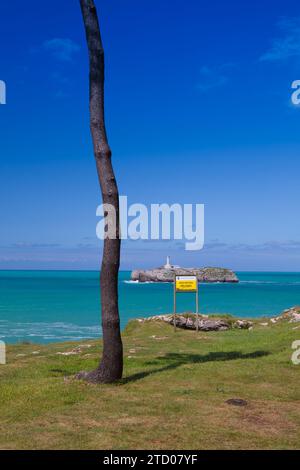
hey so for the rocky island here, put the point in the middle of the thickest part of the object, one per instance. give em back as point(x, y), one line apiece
point(167, 272)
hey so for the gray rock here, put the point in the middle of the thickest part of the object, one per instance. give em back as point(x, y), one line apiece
point(190, 322)
point(213, 325)
point(167, 275)
point(243, 324)
point(291, 314)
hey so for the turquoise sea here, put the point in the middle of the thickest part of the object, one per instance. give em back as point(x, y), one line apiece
point(47, 306)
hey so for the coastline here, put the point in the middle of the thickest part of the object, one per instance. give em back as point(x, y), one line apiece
point(204, 372)
point(186, 320)
point(51, 306)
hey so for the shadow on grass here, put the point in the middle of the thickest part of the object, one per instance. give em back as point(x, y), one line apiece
point(175, 360)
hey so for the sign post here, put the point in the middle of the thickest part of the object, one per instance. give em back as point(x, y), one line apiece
point(185, 284)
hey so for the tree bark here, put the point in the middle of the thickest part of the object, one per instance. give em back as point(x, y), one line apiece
point(111, 366)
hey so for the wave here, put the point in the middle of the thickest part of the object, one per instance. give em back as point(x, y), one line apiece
point(132, 282)
point(146, 282)
point(172, 282)
point(49, 331)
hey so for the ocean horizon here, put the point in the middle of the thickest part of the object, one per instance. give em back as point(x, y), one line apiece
point(43, 306)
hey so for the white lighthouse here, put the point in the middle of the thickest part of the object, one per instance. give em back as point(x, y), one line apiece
point(168, 264)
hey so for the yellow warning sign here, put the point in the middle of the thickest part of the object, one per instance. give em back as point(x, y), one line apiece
point(186, 284)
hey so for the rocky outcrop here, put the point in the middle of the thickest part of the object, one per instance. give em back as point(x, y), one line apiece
point(243, 324)
point(291, 314)
point(167, 275)
point(188, 321)
point(205, 323)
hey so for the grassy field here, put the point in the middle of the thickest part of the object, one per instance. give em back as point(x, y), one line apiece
point(173, 394)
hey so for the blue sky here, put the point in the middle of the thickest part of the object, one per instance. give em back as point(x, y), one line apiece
point(198, 110)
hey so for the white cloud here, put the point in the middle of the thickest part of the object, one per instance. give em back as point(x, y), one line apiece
point(214, 77)
point(62, 49)
point(288, 44)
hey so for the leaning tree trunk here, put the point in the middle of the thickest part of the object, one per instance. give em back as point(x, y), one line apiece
point(111, 365)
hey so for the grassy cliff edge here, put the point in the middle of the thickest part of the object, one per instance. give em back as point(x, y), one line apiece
point(174, 392)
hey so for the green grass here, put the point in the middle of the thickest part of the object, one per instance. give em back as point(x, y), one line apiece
point(173, 394)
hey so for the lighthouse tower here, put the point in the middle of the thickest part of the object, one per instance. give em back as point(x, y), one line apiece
point(168, 264)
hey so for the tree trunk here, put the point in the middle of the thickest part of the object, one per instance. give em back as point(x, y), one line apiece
point(111, 365)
